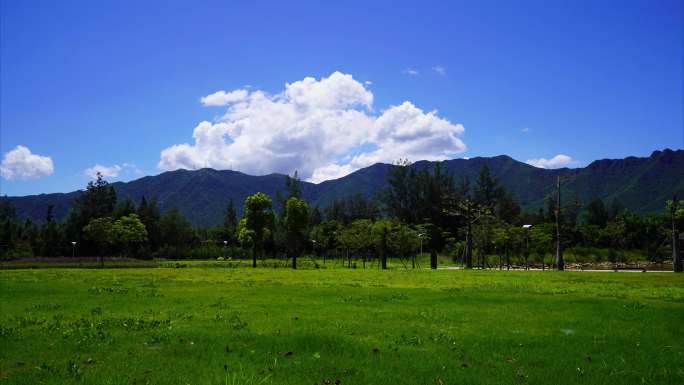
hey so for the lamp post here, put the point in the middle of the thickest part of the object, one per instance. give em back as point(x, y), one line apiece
point(73, 249)
point(225, 249)
point(527, 245)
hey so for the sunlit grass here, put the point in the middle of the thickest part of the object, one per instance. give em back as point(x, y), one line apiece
point(353, 326)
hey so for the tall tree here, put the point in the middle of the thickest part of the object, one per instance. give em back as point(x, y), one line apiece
point(487, 189)
point(259, 219)
point(175, 230)
point(100, 231)
point(560, 262)
point(400, 197)
point(149, 215)
point(296, 223)
point(294, 186)
point(470, 213)
point(97, 201)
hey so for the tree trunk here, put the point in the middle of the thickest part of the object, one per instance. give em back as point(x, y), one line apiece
point(433, 259)
point(254, 254)
point(294, 261)
point(469, 247)
point(560, 263)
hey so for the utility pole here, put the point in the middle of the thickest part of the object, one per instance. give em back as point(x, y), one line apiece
point(560, 263)
point(676, 257)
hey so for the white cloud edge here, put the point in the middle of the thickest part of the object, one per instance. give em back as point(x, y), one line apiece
point(558, 161)
point(113, 171)
point(21, 163)
point(312, 126)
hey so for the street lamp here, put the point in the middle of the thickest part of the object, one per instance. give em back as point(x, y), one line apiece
point(225, 249)
point(527, 245)
point(73, 249)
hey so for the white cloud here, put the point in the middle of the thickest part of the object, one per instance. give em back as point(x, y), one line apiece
point(20, 163)
point(323, 128)
point(112, 171)
point(368, 82)
point(222, 98)
point(410, 71)
point(525, 130)
point(439, 70)
point(557, 161)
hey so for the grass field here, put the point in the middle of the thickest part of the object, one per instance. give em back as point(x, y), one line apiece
point(278, 326)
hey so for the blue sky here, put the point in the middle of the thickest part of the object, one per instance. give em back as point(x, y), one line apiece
point(117, 83)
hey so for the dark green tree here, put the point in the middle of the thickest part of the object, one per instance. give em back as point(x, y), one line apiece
point(296, 223)
point(597, 213)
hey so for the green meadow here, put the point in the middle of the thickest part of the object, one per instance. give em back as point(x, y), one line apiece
point(209, 325)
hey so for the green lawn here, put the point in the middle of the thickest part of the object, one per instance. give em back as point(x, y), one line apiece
point(278, 326)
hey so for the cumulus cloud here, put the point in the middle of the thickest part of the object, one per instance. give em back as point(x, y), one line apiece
point(439, 70)
point(20, 163)
point(323, 128)
point(557, 161)
point(410, 71)
point(222, 98)
point(112, 171)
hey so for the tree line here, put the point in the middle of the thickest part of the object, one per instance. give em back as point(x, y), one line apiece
point(477, 223)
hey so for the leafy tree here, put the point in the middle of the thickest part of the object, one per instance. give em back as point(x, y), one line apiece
point(101, 232)
point(356, 238)
point(541, 240)
point(130, 232)
point(296, 223)
point(175, 230)
point(325, 235)
point(470, 213)
point(259, 219)
point(403, 240)
point(245, 236)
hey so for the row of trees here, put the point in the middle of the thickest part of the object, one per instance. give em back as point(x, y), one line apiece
point(422, 208)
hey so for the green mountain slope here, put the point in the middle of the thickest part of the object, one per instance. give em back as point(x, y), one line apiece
point(641, 184)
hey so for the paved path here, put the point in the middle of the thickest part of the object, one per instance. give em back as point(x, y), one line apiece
point(571, 270)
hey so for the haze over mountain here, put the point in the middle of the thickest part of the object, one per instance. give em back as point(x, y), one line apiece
point(641, 184)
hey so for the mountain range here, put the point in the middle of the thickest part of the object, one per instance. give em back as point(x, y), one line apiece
point(640, 184)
